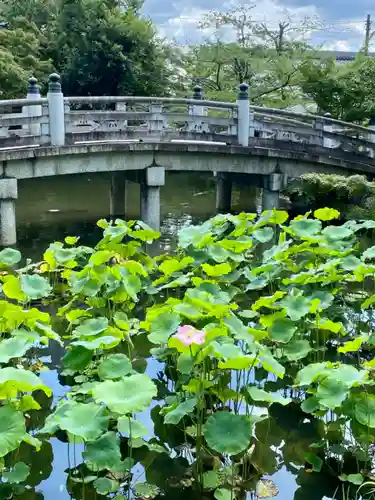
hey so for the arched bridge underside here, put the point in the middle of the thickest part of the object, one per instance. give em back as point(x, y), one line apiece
point(260, 157)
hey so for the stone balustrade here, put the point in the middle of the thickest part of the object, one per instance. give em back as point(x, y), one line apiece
point(57, 121)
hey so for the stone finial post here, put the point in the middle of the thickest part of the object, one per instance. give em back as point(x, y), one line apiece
point(243, 125)
point(33, 93)
point(197, 111)
point(56, 111)
point(328, 142)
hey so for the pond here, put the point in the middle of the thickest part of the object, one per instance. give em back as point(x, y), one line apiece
point(49, 210)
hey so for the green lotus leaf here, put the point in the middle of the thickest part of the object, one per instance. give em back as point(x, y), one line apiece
point(257, 394)
point(188, 310)
point(106, 342)
point(296, 306)
point(211, 480)
point(326, 298)
point(14, 347)
point(298, 349)
point(12, 288)
point(128, 395)
point(176, 414)
point(171, 266)
point(270, 364)
point(315, 461)
point(104, 453)
point(145, 490)
point(10, 256)
point(326, 214)
point(217, 270)
point(34, 286)
point(114, 366)
point(310, 405)
point(22, 380)
point(310, 373)
point(243, 362)
point(18, 474)
point(227, 433)
point(335, 233)
point(369, 253)
point(223, 494)
point(91, 327)
point(331, 393)
point(282, 330)
point(263, 235)
point(84, 420)
point(12, 429)
point(129, 427)
point(163, 327)
point(77, 359)
point(305, 228)
point(104, 485)
point(52, 423)
point(350, 263)
point(365, 411)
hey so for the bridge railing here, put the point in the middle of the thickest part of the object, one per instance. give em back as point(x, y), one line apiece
point(57, 120)
point(152, 117)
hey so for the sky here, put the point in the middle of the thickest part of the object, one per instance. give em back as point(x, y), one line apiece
point(342, 22)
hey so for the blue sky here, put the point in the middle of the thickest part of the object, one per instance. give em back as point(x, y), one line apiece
point(342, 20)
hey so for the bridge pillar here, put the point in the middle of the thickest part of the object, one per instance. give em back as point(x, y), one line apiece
point(117, 199)
point(153, 178)
point(8, 195)
point(56, 111)
point(243, 116)
point(33, 93)
point(272, 185)
point(223, 192)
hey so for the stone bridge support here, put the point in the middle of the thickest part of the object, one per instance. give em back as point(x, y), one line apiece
point(117, 195)
point(272, 185)
point(8, 196)
point(223, 192)
point(152, 179)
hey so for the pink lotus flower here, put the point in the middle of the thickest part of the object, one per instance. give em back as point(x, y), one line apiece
point(190, 335)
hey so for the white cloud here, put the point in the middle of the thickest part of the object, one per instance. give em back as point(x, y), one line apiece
point(345, 35)
point(184, 27)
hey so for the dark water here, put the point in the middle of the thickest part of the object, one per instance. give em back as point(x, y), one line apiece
point(51, 208)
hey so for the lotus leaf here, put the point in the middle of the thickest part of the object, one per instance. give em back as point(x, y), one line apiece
point(12, 429)
point(114, 366)
point(227, 433)
point(128, 395)
point(129, 427)
point(104, 453)
point(18, 379)
point(18, 474)
point(163, 327)
point(34, 286)
point(14, 347)
point(10, 256)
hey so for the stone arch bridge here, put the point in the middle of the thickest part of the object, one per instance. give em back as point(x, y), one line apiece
point(139, 138)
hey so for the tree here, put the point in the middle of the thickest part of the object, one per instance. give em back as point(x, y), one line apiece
point(21, 56)
point(346, 91)
point(100, 47)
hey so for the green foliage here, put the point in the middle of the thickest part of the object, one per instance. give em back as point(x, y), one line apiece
point(345, 90)
point(100, 47)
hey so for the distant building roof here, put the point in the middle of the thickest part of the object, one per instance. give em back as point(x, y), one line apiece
point(341, 55)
